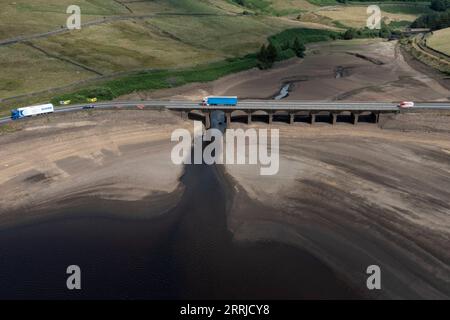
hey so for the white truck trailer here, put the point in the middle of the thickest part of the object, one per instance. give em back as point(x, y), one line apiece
point(31, 111)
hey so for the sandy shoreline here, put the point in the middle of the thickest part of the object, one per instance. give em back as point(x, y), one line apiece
point(358, 197)
point(122, 156)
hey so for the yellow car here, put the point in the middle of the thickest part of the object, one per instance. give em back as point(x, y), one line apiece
point(65, 102)
point(91, 99)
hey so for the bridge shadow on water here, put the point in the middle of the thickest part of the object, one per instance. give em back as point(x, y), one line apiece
point(211, 265)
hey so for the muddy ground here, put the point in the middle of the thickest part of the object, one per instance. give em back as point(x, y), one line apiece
point(357, 70)
point(114, 155)
point(351, 196)
point(357, 197)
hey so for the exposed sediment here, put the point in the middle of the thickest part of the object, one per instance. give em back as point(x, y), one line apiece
point(359, 197)
point(113, 155)
point(356, 70)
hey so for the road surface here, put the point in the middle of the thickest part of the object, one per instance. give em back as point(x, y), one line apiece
point(255, 105)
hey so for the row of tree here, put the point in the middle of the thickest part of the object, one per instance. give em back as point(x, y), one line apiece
point(267, 55)
point(384, 32)
point(440, 5)
point(434, 21)
point(279, 50)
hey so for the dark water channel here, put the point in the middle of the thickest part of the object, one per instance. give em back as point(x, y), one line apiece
point(185, 253)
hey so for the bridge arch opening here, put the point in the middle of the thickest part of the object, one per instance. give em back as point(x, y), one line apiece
point(260, 116)
point(196, 114)
point(301, 116)
point(240, 116)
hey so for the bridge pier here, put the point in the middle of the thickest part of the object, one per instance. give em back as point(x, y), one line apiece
point(228, 118)
point(207, 119)
point(333, 118)
point(373, 111)
point(355, 118)
point(312, 118)
point(291, 118)
point(376, 117)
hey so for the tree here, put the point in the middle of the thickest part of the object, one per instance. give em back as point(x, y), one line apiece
point(286, 45)
point(385, 32)
point(299, 48)
point(439, 5)
point(262, 54)
point(434, 21)
point(263, 61)
point(267, 56)
point(349, 34)
point(272, 53)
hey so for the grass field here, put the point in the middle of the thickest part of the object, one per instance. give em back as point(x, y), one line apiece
point(276, 7)
point(22, 17)
point(176, 38)
point(304, 35)
point(124, 45)
point(356, 16)
point(323, 2)
point(421, 51)
point(165, 42)
point(23, 68)
point(440, 41)
point(201, 73)
point(160, 79)
point(229, 36)
point(406, 8)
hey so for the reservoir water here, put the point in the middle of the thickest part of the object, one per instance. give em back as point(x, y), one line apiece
point(187, 253)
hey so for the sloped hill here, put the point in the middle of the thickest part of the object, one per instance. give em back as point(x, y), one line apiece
point(440, 41)
point(120, 36)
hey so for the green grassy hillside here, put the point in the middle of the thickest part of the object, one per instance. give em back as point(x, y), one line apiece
point(440, 41)
point(129, 36)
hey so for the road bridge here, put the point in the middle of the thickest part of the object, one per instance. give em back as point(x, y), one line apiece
point(270, 108)
point(291, 109)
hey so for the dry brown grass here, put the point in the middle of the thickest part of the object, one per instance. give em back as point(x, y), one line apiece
point(24, 69)
point(356, 16)
point(440, 41)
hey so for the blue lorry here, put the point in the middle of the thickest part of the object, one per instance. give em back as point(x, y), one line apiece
point(220, 101)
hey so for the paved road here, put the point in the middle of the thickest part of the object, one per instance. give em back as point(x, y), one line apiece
point(256, 105)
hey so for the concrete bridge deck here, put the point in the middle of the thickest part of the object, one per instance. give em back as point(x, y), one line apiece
point(291, 109)
point(290, 106)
